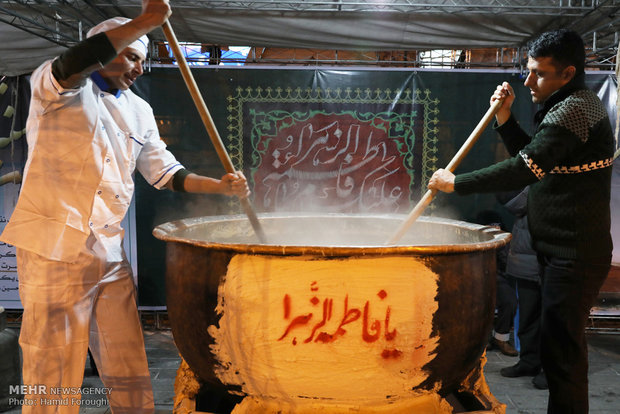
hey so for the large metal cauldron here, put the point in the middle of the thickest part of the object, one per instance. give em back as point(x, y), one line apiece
point(347, 321)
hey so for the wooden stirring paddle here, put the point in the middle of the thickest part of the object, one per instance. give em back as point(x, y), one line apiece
point(456, 160)
point(209, 125)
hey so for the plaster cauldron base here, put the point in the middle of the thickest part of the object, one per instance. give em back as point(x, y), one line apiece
point(479, 397)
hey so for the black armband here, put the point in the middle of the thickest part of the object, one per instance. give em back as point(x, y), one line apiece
point(96, 50)
point(178, 180)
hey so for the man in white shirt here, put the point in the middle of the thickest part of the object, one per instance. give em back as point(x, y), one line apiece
point(87, 133)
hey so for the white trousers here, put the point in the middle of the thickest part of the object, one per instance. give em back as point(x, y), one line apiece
point(65, 306)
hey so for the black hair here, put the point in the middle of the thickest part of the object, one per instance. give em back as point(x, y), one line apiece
point(564, 46)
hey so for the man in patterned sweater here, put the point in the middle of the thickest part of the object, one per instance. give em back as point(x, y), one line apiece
point(568, 163)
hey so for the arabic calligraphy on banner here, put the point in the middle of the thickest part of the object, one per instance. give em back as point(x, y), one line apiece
point(284, 320)
point(8, 271)
point(334, 150)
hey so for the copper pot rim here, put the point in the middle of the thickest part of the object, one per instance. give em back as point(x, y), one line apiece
point(168, 232)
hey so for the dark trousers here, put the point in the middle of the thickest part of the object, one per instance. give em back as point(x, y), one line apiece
point(529, 293)
point(506, 304)
point(569, 289)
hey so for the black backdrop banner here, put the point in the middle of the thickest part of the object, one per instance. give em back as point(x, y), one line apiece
point(309, 139)
point(14, 103)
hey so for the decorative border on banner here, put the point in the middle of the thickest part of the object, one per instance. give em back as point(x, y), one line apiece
point(331, 96)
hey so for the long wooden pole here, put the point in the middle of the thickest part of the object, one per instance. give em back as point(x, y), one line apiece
point(209, 125)
point(456, 160)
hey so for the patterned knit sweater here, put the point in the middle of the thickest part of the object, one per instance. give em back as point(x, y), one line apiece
point(568, 163)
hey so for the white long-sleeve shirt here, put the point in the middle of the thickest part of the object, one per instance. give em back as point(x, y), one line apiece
point(83, 147)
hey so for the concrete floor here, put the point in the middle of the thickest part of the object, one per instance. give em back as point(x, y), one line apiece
point(521, 397)
point(517, 393)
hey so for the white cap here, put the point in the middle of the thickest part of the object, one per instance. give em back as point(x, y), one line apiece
point(141, 44)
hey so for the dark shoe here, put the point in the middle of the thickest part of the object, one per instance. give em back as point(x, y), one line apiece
point(504, 347)
point(540, 381)
point(518, 370)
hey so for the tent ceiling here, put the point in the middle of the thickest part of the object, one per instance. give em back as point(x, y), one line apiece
point(33, 30)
